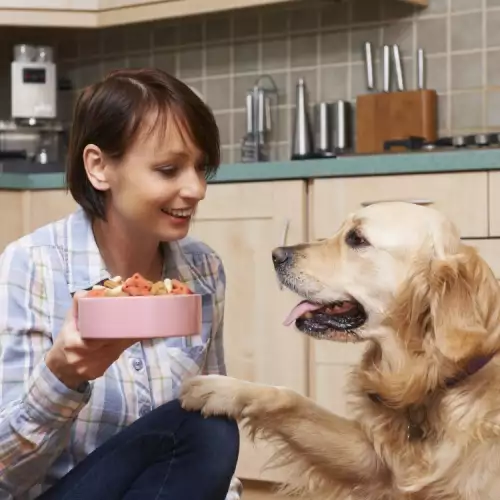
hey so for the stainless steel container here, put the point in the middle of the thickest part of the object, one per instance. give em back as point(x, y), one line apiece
point(323, 128)
point(342, 125)
point(24, 52)
point(44, 54)
point(302, 140)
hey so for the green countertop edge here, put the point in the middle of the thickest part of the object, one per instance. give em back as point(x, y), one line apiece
point(363, 165)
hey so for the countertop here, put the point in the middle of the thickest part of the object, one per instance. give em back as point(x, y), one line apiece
point(346, 166)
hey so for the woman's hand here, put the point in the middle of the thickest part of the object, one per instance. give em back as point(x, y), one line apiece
point(74, 360)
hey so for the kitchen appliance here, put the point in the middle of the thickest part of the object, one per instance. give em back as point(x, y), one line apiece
point(32, 148)
point(302, 139)
point(323, 129)
point(342, 126)
point(33, 83)
point(397, 114)
point(256, 143)
point(469, 141)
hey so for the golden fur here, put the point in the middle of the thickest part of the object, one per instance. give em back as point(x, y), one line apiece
point(433, 306)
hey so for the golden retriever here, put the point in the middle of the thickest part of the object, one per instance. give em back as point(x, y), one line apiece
point(425, 399)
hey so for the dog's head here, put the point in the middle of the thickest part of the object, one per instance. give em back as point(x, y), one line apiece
point(392, 269)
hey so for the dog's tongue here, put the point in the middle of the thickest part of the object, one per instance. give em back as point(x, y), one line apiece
point(299, 310)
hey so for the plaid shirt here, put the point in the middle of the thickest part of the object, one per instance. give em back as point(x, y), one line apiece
point(46, 428)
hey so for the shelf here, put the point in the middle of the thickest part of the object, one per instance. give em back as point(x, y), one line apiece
point(104, 13)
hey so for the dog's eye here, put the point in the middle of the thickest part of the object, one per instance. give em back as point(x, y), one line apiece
point(355, 239)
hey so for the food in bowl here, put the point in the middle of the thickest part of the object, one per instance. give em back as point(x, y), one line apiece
point(139, 309)
point(138, 286)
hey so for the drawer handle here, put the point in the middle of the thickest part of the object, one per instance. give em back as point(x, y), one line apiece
point(422, 201)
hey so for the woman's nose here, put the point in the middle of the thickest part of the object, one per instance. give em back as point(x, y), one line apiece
point(194, 187)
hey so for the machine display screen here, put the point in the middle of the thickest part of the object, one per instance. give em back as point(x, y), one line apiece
point(34, 75)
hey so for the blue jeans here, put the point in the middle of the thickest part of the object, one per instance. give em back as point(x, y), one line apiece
point(169, 454)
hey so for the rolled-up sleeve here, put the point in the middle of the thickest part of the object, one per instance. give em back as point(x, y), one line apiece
point(36, 409)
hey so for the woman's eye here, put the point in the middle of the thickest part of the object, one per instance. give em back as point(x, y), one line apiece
point(355, 239)
point(168, 171)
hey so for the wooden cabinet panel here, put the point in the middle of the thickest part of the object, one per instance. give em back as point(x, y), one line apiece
point(490, 251)
point(11, 217)
point(243, 223)
point(91, 5)
point(102, 13)
point(462, 196)
point(116, 4)
point(494, 203)
point(47, 206)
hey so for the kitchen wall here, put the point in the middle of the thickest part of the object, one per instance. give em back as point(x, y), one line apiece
point(223, 54)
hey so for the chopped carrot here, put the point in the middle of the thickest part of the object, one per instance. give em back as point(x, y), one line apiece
point(99, 292)
point(180, 288)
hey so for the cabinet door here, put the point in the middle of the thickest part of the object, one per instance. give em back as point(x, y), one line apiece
point(48, 206)
point(11, 216)
point(50, 4)
point(494, 203)
point(462, 196)
point(116, 4)
point(243, 223)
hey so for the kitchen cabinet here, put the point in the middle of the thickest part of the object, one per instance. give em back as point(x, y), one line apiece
point(494, 203)
point(56, 205)
point(12, 216)
point(133, 11)
point(90, 5)
point(462, 196)
point(243, 223)
point(38, 4)
point(102, 13)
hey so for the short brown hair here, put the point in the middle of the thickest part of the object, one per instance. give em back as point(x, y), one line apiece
point(109, 114)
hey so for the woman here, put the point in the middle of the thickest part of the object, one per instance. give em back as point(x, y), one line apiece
point(98, 419)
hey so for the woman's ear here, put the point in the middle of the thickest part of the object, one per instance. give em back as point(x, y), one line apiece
point(96, 167)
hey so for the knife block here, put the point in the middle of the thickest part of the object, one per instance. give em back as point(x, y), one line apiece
point(389, 116)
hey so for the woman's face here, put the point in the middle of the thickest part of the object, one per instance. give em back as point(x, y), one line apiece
point(155, 188)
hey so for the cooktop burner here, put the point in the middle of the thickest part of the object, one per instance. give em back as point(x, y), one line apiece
point(414, 143)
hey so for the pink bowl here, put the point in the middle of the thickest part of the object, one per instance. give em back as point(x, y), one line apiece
point(139, 317)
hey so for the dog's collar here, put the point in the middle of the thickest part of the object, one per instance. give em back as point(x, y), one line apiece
point(416, 414)
point(472, 367)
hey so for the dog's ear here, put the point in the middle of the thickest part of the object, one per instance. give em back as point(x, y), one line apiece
point(454, 299)
point(463, 296)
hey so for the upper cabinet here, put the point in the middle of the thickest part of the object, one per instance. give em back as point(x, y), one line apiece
point(102, 13)
point(85, 5)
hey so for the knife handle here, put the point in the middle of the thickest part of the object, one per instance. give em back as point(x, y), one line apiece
point(386, 65)
point(398, 66)
point(369, 71)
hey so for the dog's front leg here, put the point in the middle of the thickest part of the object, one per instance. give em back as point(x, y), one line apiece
point(334, 448)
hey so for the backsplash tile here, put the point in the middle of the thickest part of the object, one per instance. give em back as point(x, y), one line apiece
point(222, 55)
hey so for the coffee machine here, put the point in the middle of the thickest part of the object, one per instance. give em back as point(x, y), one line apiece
point(33, 140)
point(33, 83)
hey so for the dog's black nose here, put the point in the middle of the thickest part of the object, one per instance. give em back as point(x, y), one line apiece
point(281, 255)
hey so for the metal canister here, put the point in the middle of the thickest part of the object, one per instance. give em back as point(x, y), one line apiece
point(342, 125)
point(323, 129)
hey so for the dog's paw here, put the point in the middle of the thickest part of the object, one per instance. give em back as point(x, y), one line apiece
point(213, 395)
